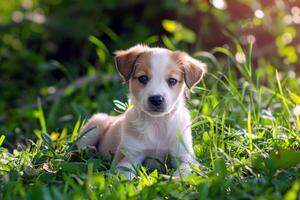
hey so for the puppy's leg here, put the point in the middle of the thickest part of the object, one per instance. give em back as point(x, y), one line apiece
point(183, 170)
point(92, 131)
point(126, 164)
point(184, 156)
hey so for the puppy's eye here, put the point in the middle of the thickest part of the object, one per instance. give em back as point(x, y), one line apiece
point(143, 79)
point(172, 81)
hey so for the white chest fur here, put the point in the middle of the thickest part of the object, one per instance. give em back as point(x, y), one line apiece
point(158, 136)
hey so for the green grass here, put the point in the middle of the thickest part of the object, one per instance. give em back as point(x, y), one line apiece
point(246, 138)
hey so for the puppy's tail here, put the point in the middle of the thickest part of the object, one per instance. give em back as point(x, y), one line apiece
point(93, 130)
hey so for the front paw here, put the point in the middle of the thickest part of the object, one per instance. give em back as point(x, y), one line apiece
point(128, 173)
point(182, 171)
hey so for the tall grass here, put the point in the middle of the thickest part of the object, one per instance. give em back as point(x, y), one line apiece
point(245, 137)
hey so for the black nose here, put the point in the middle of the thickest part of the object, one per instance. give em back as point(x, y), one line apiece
point(156, 100)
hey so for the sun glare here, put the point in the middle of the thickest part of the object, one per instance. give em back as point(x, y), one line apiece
point(219, 4)
point(259, 13)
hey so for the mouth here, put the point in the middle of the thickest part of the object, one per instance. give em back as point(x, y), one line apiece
point(156, 111)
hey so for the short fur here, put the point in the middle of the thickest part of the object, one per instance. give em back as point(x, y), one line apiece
point(143, 131)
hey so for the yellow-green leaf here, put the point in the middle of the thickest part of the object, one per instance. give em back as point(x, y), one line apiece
point(295, 98)
point(293, 191)
point(2, 137)
point(169, 25)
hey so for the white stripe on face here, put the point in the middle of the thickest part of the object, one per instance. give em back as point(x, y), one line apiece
point(159, 61)
point(157, 85)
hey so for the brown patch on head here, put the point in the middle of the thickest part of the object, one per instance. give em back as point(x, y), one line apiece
point(125, 60)
point(142, 67)
point(174, 70)
point(193, 69)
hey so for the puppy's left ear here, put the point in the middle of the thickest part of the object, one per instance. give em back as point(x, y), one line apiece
point(125, 60)
point(193, 69)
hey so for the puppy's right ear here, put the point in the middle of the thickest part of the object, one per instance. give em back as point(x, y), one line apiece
point(125, 60)
point(193, 69)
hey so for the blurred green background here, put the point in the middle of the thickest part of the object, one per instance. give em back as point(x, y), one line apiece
point(61, 51)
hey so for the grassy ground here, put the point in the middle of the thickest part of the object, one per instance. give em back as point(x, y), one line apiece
point(246, 137)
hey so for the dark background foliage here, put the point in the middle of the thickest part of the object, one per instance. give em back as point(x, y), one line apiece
point(48, 46)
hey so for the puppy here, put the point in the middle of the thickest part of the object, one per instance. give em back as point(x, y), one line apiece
point(158, 124)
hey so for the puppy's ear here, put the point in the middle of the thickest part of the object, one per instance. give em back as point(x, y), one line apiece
point(193, 69)
point(125, 60)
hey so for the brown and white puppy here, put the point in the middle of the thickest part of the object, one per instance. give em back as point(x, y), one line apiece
point(159, 122)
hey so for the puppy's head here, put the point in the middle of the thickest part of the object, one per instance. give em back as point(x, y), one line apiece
point(157, 76)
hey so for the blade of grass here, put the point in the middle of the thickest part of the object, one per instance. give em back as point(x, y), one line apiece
point(222, 131)
point(215, 136)
point(2, 138)
point(39, 113)
point(259, 104)
point(76, 130)
point(281, 93)
point(63, 133)
point(275, 94)
point(249, 59)
point(167, 42)
point(249, 127)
